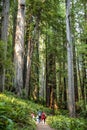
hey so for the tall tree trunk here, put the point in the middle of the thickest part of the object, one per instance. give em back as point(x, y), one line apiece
point(71, 95)
point(85, 56)
point(64, 78)
point(28, 69)
point(1, 6)
point(75, 73)
point(52, 80)
point(1, 64)
point(74, 54)
point(49, 79)
point(54, 99)
point(19, 47)
point(4, 30)
point(14, 25)
point(51, 98)
point(81, 95)
point(47, 75)
point(37, 53)
point(60, 84)
point(83, 77)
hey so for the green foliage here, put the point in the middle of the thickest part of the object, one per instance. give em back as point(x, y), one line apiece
point(6, 123)
point(66, 123)
point(82, 108)
point(6, 63)
point(2, 46)
point(17, 113)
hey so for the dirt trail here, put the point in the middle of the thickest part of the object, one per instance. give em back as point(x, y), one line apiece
point(41, 126)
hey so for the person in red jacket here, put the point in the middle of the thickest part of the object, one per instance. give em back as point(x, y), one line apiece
point(43, 117)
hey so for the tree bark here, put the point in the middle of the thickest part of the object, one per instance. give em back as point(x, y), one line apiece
point(37, 53)
point(85, 56)
point(14, 26)
point(1, 6)
point(64, 78)
point(47, 75)
point(71, 95)
point(74, 54)
point(51, 98)
point(4, 30)
point(19, 47)
point(28, 69)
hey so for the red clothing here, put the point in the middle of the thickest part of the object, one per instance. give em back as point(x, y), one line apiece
point(43, 116)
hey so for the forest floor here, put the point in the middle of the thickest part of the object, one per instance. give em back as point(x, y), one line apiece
point(41, 126)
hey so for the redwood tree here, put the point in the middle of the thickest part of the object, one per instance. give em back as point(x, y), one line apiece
point(71, 95)
point(19, 47)
point(4, 31)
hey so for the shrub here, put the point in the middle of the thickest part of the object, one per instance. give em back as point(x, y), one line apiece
point(16, 114)
point(6, 123)
point(66, 123)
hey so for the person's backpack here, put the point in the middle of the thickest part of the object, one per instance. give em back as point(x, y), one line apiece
point(39, 113)
point(43, 115)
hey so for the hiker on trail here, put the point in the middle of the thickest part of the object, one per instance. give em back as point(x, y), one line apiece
point(43, 117)
point(39, 115)
point(37, 119)
point(32, 115)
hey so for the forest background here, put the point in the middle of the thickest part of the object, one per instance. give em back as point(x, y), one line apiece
point(43, 52)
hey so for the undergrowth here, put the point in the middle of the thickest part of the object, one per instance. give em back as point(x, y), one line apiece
point(15, 113)
point(66, 123)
